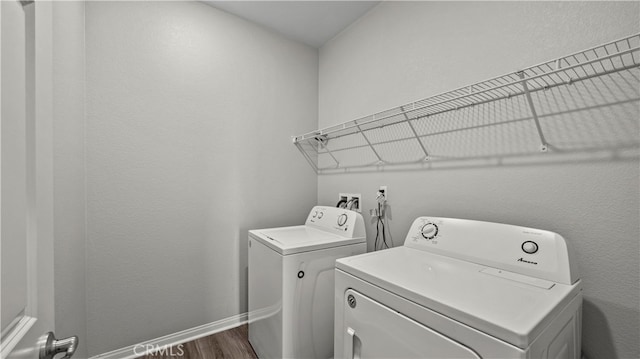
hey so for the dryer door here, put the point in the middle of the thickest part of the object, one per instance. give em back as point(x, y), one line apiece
point(372, 330)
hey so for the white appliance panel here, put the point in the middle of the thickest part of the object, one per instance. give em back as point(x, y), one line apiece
point(325, 227)
point(514, 311)
point(497, 290)
point(265, 300)
point(297, 239)
point(371, 329)
point(337, 221)
point(528, 251)
point(291, 282)
point(486, 346)
point(308, 285)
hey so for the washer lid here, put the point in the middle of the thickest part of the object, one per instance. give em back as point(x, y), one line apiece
point(509, 306)
point(296, 239)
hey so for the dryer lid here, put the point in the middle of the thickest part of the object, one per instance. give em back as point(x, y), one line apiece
point(297, 239)
point(508, 306)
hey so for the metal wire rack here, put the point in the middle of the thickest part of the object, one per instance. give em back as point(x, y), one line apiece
point(584, 101)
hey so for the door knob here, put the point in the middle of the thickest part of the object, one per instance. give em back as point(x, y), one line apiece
point(50, 346)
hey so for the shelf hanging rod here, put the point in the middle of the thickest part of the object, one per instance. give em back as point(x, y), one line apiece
point(369, 143)
point(424, 150)
point(544, 145)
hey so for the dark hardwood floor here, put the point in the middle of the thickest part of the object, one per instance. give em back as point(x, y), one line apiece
point(232, 343)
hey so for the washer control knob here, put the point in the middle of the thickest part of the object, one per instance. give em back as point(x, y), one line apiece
point(342, 219)
point(320, 215)
point(530, 247)
point(429, 230)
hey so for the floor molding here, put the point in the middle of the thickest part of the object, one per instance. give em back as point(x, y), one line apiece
point(137, 350)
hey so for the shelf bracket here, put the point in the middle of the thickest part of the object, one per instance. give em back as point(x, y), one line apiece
point(322, 142)
point(424, 150)
point(543, 142)
point(380, 161)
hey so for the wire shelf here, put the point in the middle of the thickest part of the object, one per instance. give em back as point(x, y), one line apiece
point(584, 101)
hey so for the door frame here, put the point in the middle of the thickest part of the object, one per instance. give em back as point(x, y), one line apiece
point(21, 341)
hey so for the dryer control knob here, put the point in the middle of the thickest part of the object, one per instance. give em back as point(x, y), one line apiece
point(429, 230)
point(342, 219)
point(530, 247)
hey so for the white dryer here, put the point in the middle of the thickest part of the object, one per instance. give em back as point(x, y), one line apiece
point(461, 289)
point(291, 282)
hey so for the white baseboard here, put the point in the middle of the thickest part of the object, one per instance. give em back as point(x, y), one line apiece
point(166, 341)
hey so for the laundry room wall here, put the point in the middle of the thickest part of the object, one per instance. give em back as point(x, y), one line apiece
point(190, 113)
point(403, 51)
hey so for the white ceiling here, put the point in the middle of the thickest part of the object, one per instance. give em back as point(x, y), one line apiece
point(310, 22)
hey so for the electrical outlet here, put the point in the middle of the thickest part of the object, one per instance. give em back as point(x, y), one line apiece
point(385, 191)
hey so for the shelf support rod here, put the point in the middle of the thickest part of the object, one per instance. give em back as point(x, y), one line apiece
point(369, 143)
point(329, 152)
point(424, 150)
point(306, 156)
point(543, 146)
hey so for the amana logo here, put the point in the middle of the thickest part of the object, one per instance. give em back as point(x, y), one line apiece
point(526, 261)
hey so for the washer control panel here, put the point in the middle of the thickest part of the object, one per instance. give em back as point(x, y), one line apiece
point(338, 220)
point(534, 252)
point(427, 230)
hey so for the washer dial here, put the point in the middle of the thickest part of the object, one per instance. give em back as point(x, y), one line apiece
point(342, 219)
point(429, 230)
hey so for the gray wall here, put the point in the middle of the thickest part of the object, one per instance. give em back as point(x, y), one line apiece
point(184, 147)
point(399, 52)
point(69, 175)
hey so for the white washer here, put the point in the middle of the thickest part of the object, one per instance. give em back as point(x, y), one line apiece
point(291, 282)
point(461, 289)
